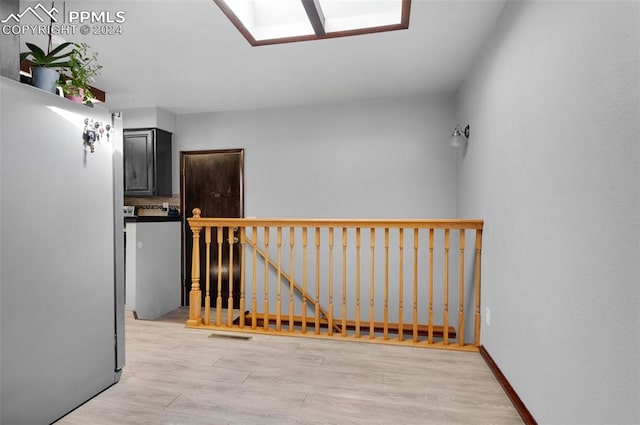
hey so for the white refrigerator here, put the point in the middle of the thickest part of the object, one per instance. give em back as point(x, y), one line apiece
point(61, 254)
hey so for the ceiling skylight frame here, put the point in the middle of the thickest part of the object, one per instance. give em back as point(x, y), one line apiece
point(317, 23)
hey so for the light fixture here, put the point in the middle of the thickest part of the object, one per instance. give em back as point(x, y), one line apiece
point(460, 137)
point(264, 22)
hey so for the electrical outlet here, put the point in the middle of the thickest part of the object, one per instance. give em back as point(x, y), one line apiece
point(488, 316)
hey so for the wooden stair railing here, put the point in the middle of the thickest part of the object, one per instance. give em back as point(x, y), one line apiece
point(392, 328)
point(420, 292)
point(292, 282)
point(438, 331)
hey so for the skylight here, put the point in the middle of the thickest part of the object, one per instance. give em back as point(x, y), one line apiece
point(284, 21)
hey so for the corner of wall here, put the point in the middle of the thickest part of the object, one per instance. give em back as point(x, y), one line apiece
point(166, 120)
point(151, 117)
point(10, 44)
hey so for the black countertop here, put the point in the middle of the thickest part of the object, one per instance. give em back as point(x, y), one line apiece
point(151, 219)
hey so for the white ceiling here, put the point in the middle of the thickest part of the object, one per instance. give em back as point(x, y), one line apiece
point(185, 56)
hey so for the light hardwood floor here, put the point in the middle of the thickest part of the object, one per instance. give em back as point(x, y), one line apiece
point(182, 376)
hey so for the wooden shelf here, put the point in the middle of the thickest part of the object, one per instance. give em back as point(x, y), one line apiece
point(99, 95)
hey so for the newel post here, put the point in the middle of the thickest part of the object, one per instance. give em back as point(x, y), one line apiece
point(195, 296)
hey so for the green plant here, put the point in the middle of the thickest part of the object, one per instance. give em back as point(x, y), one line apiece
point(53, 59)
point(80, 70)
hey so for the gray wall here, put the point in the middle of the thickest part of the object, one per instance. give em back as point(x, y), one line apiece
point(552, 167)
point(9, 44)
point(149, 118)
point(375, 159)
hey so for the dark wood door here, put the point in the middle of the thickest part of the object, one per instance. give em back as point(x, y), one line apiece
point(213, 182)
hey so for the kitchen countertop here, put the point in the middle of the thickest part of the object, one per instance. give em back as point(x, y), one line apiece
point(151, 219)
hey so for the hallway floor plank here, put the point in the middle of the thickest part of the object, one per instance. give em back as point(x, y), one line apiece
point(181, 376)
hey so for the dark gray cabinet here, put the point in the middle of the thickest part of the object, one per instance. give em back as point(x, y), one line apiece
point(147, 162)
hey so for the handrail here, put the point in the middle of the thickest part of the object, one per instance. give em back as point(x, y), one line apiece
point(406, 288)
point(198, 221)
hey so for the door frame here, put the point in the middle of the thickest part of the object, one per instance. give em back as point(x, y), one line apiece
point(188, 214)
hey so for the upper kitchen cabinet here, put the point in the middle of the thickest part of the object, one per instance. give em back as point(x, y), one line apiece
point(147, 162)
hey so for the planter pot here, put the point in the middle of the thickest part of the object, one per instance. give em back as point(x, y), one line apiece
point(44, 78)
point(77, 98)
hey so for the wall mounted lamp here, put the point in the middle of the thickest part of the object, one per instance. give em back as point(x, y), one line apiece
point(460, 137)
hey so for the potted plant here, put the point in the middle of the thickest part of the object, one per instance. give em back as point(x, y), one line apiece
point(44, 67)
point(81, 69)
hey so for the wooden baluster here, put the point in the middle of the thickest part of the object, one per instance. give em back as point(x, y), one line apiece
point(242, 264)
point(445, 325)
point(430, 324)
point(254, 299)
point(415, 285)
point(386, 283)
point(278, 289)
point(219, 298)
point(357, 282)
point(461, 313)
point(330, 318)
point(230, 299)
point(344, 281)
point(207, 296)
point(372, 312)
point(476, 340)
point(195, 295)
point(304, 280)
point(266, 280)
point(317, 305)
point(400, 284)
point(292, 236)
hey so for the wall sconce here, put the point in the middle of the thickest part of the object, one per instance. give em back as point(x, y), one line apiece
point(460, 137)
